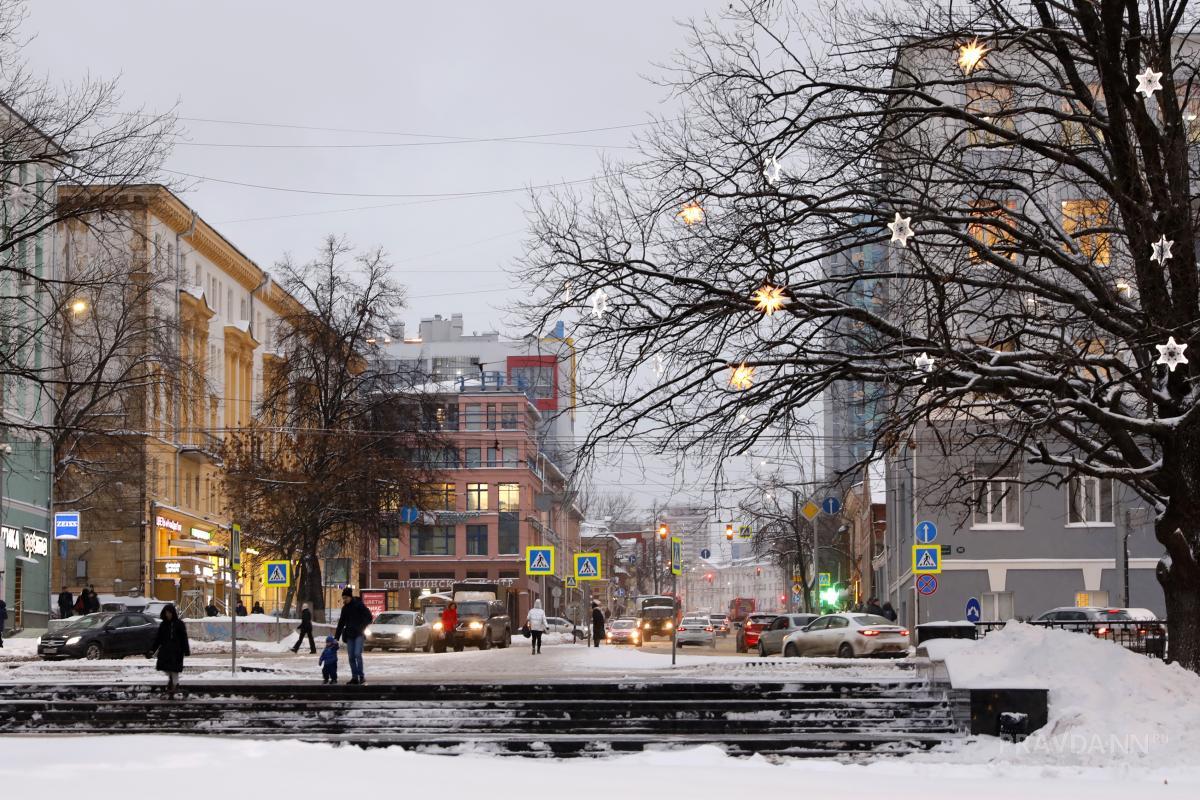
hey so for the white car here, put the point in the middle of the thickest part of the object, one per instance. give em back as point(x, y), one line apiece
point(398, 630)
point(848, 635)
point(696, 630)
point(558, 625)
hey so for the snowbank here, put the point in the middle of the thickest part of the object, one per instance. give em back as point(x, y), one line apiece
point(1108, 705)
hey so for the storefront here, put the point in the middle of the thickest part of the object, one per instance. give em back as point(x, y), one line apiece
point(189, 568)
point(25, 576)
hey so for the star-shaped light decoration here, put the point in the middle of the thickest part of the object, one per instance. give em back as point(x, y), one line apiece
point(970, 55)
point(772, 171)
point(901, 228)
point(1171, 353)
point(924, 362)
point(1124, 289)
point(741, 376)
point(1149, 82)
point(599, 303)
point(769, 299)
point(1161, 250)
point(691, 213)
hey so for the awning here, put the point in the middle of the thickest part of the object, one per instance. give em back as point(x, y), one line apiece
point(27, 559)
point(198, 547)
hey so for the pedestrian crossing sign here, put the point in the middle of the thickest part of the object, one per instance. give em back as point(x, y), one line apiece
point(745, 532)
point(539, 560)
point(587, 566)
point(926, 559)
point(676, 555)
point(277, 574)
point(571, 582)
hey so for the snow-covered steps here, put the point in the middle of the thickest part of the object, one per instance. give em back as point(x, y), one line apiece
point(565, 718)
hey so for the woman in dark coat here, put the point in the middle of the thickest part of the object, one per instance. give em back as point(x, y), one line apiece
point(170, 645)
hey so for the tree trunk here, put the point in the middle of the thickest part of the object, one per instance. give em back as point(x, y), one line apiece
point(1182, 592)
point(311, 589)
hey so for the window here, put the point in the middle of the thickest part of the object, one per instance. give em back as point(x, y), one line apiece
point(493, 417)
point(996, 606)
point(509, 496)
point(433, 540)
point(508, 416)
point(537, 382)
point(474, 457)
point(997, 496)
point(511, 457)
point(477, 497)
point(509, 534)
point(440, 496)
point(1086, 223)
point(477, 541)
point(1083, 131)
point(1089, 500)
point(389, 541)
point(991, 105)
point(474, 417)
point(491, 456)
point(990, 218)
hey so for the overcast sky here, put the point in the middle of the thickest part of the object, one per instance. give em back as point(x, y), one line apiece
point(411, 77)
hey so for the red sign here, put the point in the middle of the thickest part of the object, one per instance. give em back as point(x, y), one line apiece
point(375, 601)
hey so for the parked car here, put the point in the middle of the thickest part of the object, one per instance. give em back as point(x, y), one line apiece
point(483, 623)
point(770, 640)
point(558, 625)
point(847, 635)
point(1115, 624)
point(105, 634)
point(623, 630)
point(720, 624)
point(748, 633)
point(696, 630)
point(398, 630)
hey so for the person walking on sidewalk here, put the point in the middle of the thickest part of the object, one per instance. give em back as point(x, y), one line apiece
point(66, 604)
point(536, 622)
point(3, 619)
point(170, 645)
point(597, 624)
point(353, 621)
point(328, 661)
point(305, 629)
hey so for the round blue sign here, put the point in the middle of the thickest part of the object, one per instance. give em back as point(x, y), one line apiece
point(926, 532)
point(927, 584)
point(831, 505)
point(705, 553)
point(974, 609)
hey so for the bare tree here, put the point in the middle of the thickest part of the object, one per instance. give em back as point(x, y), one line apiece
point(597, 504)
point(985, 211)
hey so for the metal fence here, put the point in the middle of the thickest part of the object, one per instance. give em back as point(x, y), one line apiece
point(1141, 636)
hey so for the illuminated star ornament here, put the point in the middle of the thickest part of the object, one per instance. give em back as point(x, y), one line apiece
point(901, 228)
point(970, 55)
point(1161, 250)
point(924, 362)
point(599, 303)
point(1171, 353)
point(691, 213)
point(769, 299)
point(772, 171)
point(1149, 82)
point(741, 376)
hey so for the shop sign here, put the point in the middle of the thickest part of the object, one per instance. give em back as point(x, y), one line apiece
point(436, 583)
point(33, 544)
point(199, 534)
point(376, 602)
point(171, 567)
point(169, 524)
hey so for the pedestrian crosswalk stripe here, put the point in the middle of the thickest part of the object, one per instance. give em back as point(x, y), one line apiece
point(927, 560)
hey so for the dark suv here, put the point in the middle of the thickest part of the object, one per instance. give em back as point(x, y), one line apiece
point(482, 623)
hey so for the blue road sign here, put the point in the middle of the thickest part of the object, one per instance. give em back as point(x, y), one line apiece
point(974, 609)
point(705, 553)
point(539, 560)
point(926, 559)
point(277, 574)
point(409, 515)
point(926, 584)
point(587, 566)
point(831, 505)
point(926, 532)
point(66, 525)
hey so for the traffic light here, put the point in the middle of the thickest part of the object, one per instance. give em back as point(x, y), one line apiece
point(663, 531)
point(729, 532)
point(829, 596)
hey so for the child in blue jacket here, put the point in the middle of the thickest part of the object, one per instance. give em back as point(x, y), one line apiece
point(328, 660)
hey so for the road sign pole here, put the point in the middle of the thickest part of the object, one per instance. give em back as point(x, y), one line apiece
point(233, 619)
point(675, 626)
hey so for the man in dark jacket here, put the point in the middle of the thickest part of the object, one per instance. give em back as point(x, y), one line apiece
point(211, 609)
point(66, 603)
point(873, 607)
point(305, 629)
point(93, 600)
point(353, 621)
point(3, 619)
point(597, 624)
point(170, 645)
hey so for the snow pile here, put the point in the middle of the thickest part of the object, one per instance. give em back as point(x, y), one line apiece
point(1108, 705)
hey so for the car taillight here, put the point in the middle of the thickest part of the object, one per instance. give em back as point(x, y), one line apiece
point(682, 629)
point(869, 632)
point(1102, 631)
point(904, 631)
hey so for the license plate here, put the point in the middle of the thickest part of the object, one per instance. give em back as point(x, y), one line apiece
point(49, 649)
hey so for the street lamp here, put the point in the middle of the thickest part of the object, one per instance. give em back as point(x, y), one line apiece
point(663, 532)
point(79, 307)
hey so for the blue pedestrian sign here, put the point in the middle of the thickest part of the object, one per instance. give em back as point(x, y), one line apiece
point(927, 584)
point(277, 574)
point(705, 553)
point(539, 560)
point(587, 566)
point(926, 532)
point(831, 505)
point(974, 609)
point(926, 559)
point(66, 525)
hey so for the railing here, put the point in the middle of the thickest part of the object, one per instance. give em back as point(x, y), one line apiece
point(1141, 636)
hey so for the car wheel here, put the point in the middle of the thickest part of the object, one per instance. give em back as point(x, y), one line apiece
point(428, 646)
point(762, 649)
point(506, 640)
point(741, 646)
point(845, 650)
point(790, 651)
point(93, 651)
point(485, 642)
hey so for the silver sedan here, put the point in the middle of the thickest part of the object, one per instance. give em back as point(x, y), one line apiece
point(848, 635)
point(398, 630)
point(696, 630)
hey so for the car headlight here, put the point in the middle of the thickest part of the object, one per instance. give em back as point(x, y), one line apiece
point(437, 626)
point(367, 632)
point(75, 640)
point(646, 626)
point(476, 626)
point(405, 634)
point(669, 625)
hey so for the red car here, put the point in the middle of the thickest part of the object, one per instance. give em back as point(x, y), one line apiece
point(749, 631)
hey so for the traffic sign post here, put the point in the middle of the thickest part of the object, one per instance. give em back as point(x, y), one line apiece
point(926, 559)
point(66, 525)
point(974, 609)
point(705, 553)
point(235, 546)
point(676, 555)
point(588, 567)
point(831, 505)
point(927, 584)
point(926, 532)
point(539, 560)
point(277, 574)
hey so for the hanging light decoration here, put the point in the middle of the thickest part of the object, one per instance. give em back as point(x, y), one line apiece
point(769, 299)
point(970, 55)
point(741, 377)
point(1171, 353)
point(599, 303)
point(691, 214)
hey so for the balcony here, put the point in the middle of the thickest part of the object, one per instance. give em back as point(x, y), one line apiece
point(203, 446)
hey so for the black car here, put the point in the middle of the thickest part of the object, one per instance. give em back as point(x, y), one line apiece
point(483, 623)
point(107, 634)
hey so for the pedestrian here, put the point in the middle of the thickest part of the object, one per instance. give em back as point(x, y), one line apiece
point(258, 609)
point(93, 600)
point(81, 606)
point(305, 628)
point(328, 660)
point(241, 609)
point(3, 619)
point(450, 624)
point(354, 619)
point(890, 612)
point(66, 603)
point(170, 645)
point(211, 609)
point(597, 624)
point(873, 607)
point(535, 620)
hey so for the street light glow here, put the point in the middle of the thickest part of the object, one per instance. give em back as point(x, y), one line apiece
point(79, 307)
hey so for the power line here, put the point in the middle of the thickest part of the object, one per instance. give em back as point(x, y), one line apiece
point(443, 195)
point(389, 145)
point(290, 126)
